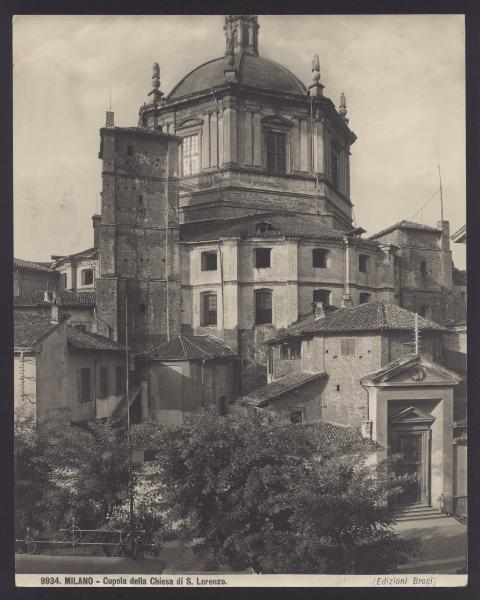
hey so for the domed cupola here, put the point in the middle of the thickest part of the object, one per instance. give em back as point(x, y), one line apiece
point(254, 138)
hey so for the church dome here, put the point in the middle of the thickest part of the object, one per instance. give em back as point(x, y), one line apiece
point(253, 71)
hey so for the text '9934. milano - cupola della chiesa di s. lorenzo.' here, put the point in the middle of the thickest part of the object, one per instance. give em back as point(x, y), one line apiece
point(226, 244)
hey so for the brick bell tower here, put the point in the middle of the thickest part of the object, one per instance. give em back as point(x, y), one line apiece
point(139, 234)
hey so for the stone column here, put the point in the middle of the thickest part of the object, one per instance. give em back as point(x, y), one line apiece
point(230, 133)
point(319, 163)
point(303, 145)
point(248, 125)
point(214, 139)
point(257, 140)
point(206, 141)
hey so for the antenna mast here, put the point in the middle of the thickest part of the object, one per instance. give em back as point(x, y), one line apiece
point(441, 193)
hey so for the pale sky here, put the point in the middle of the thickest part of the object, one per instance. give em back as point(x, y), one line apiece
point(403, 77)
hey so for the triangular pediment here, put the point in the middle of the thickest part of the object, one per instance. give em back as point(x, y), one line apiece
point(412, 371)
point(412, 415)
point(277, 120)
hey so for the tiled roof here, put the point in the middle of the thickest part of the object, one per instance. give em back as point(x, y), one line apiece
point(65, 298)
point(328, 434)
point(282, 225)
point(89, 253)
point(281, 386)
point(83, 340)
point(28, 329)
point(191, 347)
point(35, 266)
point(374, 316)
point(405, 225)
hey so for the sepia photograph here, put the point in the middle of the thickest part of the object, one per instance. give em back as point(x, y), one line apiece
point(240, 300)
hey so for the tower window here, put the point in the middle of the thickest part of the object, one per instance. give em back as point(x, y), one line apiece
point(263, 307)
point(87, 277)
point(276, 152)
point(321, 296)
point(263, 258)
point(423, 267)
point(190, 155)
point(319, 258)
point(209, 309)
point(364, 298)
point(363, 263)
point(209, 261)
point(130, 150)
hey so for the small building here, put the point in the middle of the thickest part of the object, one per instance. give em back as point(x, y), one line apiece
point(345, 344)
point(185, 374)
point(410, 413)
point(29, 276)
point(79, 307)
point(64, 373)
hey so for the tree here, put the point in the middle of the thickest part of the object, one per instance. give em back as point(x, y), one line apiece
point(277, 498)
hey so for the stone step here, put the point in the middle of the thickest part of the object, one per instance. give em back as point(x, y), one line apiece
point(418, 512)
point(421, 516)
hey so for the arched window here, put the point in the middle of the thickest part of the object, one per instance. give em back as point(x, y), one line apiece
point(263, 307)
point(209, 309)
point(425, 311)
point(321, 296)
point(364, 297)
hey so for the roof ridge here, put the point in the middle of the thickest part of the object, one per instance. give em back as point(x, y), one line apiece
point(180, 337)
point(200, 349)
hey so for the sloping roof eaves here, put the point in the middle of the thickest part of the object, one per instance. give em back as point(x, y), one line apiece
point(34, 266)
point(406, 225)
point(28, 330)
point(373, 316)
point(191, 347)
point(83, 340)
point(282, 386)
point(65, 298)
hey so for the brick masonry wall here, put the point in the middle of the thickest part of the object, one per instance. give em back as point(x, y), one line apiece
point(136, 257)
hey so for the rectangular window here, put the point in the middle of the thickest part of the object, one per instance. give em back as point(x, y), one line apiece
point(190, 155)
point(120, 380)
point(321, 296)
point(296, 416)
point(348, 346)
point(276, 152)
point(319, 258)
point(291, 351)
point(364, 298)
point(363, 263)
point(334, 168)
point(81, 327)
point(103, 392)
point(87, 276)
point(64, 281)
point(263, 307)
point(209, 313)
point(85, 385)
point(209, 261)
point(262, 258)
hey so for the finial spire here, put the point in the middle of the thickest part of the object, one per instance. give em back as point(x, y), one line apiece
point(342, 111)
point(157, 94)
point(316, 87)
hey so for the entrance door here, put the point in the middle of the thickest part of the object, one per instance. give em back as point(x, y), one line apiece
point(412, 449)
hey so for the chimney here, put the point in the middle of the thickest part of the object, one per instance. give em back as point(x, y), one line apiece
point(96, 231)
point(54, 319)
point(318, 310)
